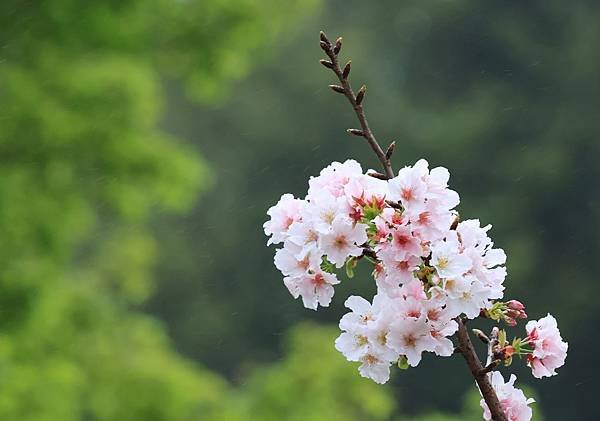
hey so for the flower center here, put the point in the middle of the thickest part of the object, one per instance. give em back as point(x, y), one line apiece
point(319, 280)
point(407, 194)
point(340, 242)
point(442, 262)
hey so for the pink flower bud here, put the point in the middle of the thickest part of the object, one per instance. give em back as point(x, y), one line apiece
point(515, 305)
point(514, 310)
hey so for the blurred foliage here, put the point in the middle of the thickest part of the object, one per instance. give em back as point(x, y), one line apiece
point(313, 382)
point(84, 168)
point(504, 94)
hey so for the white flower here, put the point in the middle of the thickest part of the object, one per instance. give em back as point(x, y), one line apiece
point(466, 295)
point(304, 235)
point(438, 191)
point(447, 260)
point(287, 261)
point(353, 345)
point(323, 210)
point(375, 368)
point(342, 240)
point(410, 337)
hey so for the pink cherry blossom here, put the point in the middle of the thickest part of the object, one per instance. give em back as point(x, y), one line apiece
point(334, 178)
point(343, 240)
point(409, 187)
point(283, 214)
point(290, 265)
point(410, 337)
point(549, 349)
point(513, 401)
point(428, 271)
point(314, 288)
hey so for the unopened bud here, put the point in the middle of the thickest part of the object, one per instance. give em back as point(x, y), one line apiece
point(356, 132)
point(361, 95)
point(346, 70)
point(515, 305)
point(514, 310)
point(337, 88)
point(482, 336)
point(338, 46)
point(390, 150)
point(378, 175)
point(326, 63)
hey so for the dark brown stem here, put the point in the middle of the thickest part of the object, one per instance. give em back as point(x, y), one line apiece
point(332, 51)
point(478, 373)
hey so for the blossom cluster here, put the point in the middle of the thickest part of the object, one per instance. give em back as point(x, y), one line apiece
point(513, 401)
point(429, 269)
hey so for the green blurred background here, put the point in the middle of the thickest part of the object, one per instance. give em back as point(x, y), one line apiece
point(141, 142)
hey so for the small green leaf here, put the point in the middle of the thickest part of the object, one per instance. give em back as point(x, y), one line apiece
point(403, 363)
point(350, 265)
point(502, 337)
point(327, 266)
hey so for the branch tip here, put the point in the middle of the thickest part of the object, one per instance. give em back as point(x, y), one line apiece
point(360, 95)
point(394, 205)
point(324, 38)
point(346, 71)
point(356, 132)
point(338, 46)
point(490, 367)
point(326, 63)
point(482, 336)
point(378, 175)
point(390, 150)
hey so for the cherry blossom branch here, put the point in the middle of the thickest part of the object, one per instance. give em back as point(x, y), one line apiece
point(478, 372)
point(465, 348)
point(332, 51)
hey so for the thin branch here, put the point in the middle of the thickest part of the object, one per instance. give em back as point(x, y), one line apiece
point(332, 51)
point(482, 336)
point(477, 371)
point(490, 367)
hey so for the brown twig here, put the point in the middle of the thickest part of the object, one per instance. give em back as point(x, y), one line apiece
point(478, 373)
point(332, 51)
point(490, 367)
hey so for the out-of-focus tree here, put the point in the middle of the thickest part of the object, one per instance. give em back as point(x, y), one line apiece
point(313, 382)
point(84, 167)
